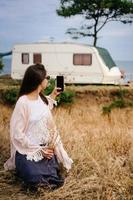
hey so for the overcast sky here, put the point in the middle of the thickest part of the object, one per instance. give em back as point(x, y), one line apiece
point(24, 21)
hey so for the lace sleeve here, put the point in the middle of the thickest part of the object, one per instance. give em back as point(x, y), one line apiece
point(62, 155)
point(51, 102)
point(17, 129)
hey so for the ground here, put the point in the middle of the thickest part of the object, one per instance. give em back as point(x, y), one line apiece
point(101, 146)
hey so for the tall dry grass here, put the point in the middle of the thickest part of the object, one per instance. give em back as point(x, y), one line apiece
point(101, 147)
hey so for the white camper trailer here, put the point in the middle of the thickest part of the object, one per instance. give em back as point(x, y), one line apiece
point(78, 63)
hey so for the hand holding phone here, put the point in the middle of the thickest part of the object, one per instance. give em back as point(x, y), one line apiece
point(60, 83)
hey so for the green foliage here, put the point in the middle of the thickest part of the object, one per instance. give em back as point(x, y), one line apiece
point(50, 87)
point(96, 13)
point(66, 97)
point(118, 103)
point(1, 64)
point(106, 109)
point(10, 96)
point(120, 93)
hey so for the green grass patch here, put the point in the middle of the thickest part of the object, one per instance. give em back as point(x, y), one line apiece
point(118, 103)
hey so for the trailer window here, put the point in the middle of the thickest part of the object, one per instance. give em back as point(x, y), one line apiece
point(37, 58)
point(82, 59)
point(25, 58)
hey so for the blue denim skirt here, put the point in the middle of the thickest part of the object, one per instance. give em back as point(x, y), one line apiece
point(45, 171)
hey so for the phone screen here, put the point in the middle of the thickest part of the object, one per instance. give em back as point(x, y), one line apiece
point(60, 83)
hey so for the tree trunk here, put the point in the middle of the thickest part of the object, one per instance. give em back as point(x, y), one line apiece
point(95, 41)
point(95, 33)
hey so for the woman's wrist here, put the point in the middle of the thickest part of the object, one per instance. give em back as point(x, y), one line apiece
point(52, 96)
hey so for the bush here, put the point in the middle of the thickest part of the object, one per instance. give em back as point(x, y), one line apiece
point(1, 64)
point(120, 93)
point(10, 96)
point(66, 97)
point(50, 87)
point(106, 109)
point(119, 103)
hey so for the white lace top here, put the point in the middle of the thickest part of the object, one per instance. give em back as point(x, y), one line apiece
point(37, 130)
point(32, 127)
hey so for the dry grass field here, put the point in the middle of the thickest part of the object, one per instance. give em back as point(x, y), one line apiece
point(100, 145)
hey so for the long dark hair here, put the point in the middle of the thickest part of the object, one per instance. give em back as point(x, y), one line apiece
point(33, 77)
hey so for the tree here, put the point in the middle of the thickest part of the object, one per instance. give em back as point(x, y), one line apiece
point(1, 56)
point(96, 13)
point(1, 64)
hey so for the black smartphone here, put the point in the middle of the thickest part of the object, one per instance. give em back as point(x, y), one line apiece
point(60, 83)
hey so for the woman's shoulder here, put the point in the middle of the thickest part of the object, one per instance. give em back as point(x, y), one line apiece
point(22, 100)
point(21, 108)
